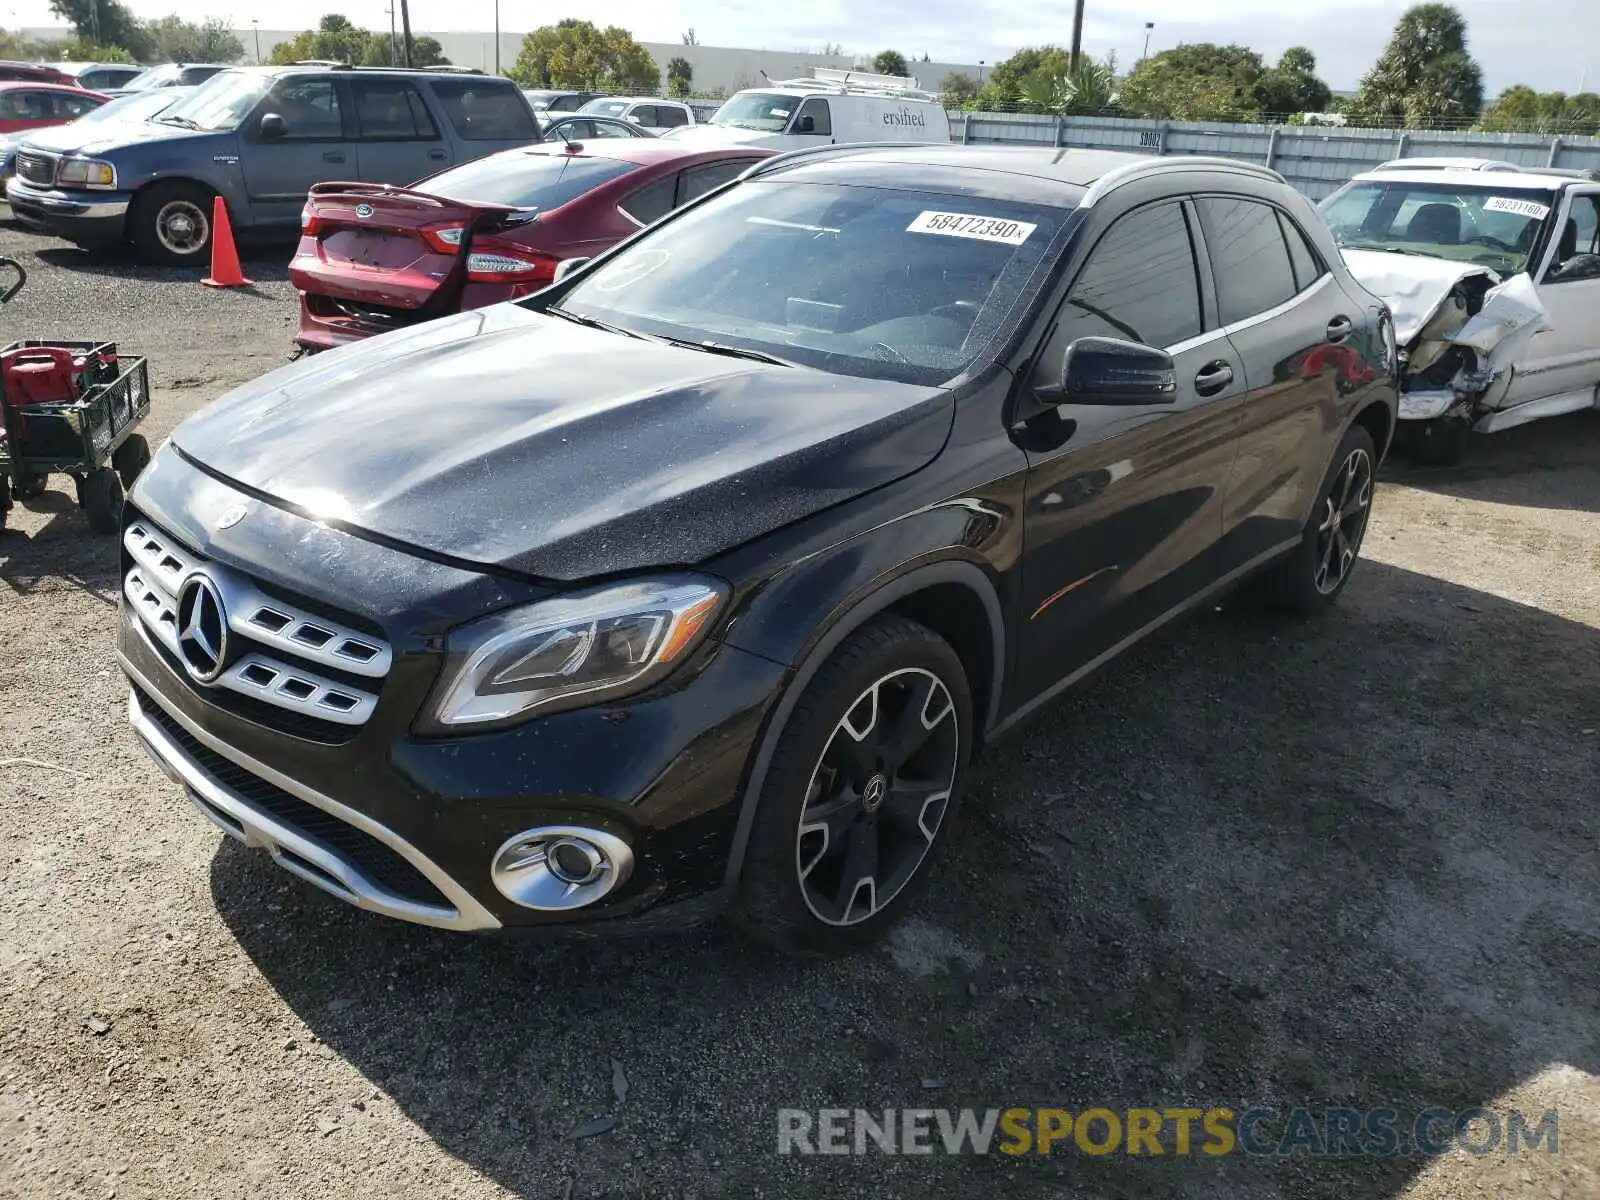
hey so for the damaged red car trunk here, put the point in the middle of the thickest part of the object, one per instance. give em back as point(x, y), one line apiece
point(373, 257)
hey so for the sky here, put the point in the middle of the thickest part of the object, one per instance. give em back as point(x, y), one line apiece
point(1515, 41)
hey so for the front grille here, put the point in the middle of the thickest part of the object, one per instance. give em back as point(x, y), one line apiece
point(35, 167)
point(278, 663)
point(376, 861)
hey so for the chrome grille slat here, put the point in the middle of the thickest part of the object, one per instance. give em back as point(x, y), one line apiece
point(296, 640)
point(35, 167)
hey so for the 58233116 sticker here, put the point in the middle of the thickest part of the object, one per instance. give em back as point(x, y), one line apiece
point(969, 225)
point(1523, 208)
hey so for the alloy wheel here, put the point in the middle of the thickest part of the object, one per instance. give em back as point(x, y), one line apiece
point(877, 796)
point(1345, 510)
point(181, 227)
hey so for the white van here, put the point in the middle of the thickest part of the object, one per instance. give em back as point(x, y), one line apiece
point(832, 106)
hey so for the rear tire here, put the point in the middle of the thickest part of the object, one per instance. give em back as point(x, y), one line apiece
point(132, 457)
point(849, 820)
point(101, 495)
point(1310, 577)
point(29, 487)
point(1441, 442)
point(170, 223)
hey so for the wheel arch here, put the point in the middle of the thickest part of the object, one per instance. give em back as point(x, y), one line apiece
point(1378, 419)
point(953, 598)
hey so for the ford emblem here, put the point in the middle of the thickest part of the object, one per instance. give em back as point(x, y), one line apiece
point(363, 210)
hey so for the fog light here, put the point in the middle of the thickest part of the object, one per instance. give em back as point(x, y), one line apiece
point(560, 867)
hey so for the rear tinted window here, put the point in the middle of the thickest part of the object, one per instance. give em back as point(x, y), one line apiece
point(1248, 257)
point(480, 111)
point(388, 109)
point(524, 180)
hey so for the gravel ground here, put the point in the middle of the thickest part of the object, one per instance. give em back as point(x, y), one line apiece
point(1258, 862)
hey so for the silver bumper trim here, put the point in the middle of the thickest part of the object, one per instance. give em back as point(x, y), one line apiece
point(292, 850)
point(65, 204)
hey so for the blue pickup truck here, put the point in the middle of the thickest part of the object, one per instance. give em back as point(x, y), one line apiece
point(259, 137)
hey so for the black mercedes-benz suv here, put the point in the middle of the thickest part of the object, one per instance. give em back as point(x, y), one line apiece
point(694, 581)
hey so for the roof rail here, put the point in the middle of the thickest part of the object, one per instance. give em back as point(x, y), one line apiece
point(1590, 174)
point(834, 81)
point(1118, 176)
point(766, 166)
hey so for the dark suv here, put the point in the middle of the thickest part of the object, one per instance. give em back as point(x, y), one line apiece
point(259, 138)
point(698, 577)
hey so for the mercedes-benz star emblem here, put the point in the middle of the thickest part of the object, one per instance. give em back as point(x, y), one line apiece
point(872, 795)
point(231, 516)
point(202, 629)
point(363, 210)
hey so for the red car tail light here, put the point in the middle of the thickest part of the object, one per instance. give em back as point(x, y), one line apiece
point(443, 239)
point(310, 219)
point(494, 261)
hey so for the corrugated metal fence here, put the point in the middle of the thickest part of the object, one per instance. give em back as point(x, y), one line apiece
point(1316, 159)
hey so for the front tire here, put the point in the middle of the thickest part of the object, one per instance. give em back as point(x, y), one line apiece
point(101, 496)
point(130, 459)
point(1310, 577)
point(862, 787)
point(170, 223)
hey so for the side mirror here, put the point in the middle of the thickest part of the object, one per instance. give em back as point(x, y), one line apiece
point(272, 127)
point(1100, 370)
point(805, 124)
point(566, 267)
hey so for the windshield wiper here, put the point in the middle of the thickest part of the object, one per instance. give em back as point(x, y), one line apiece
point(1385, 249)
point(182, 122)
point(578, 319)
point(729, 351)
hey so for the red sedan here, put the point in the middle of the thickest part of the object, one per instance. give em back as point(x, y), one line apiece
point(374, 257)
point(36, 105)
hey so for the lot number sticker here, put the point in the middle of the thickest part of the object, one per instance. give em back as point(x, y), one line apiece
point(1523, 208)
point(965, 225)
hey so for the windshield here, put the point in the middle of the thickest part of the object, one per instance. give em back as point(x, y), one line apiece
point(1465, 222)
point(221, 103)
point(154, 77)
point(139, 107)
point(527, 180)
point(756, 110)
point(879, 282)
point(607, 108)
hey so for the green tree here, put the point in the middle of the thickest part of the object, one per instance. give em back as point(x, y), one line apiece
point(680, 75)
point(1003, 91)
point(958, 88)
point(1197, 82)
point(1292, 86)
point(172, 39)
point(1424, 75)
point(381, 52)
point(890, 62)
point(1089, 88)
point(578, 54)
point(104, 23)
point(1520, 109)
point(334, 39)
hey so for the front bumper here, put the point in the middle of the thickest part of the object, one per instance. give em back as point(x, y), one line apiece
point(408, 826)
point(87, 217)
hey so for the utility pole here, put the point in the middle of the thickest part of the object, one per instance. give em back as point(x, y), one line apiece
point(497, 37)
point(1077, 32)
point(255, 26)
point(1148, 26)
point(394, 42)
point(405, 28)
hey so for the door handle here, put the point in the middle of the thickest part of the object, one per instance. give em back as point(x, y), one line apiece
point(1339, 328)
point(436, 154)
point(1212, 378)
point(333, 156)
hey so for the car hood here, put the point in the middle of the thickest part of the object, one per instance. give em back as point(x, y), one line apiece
point(724, 135)
point(506, 438)
point(1413, 286)
point(99, 137)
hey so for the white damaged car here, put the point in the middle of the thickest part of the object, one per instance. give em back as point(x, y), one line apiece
point(1493, 275)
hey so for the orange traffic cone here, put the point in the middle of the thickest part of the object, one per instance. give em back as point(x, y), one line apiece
point(225, 270)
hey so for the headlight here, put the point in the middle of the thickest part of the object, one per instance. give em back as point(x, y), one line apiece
point(86, 172)
point(571, 651)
